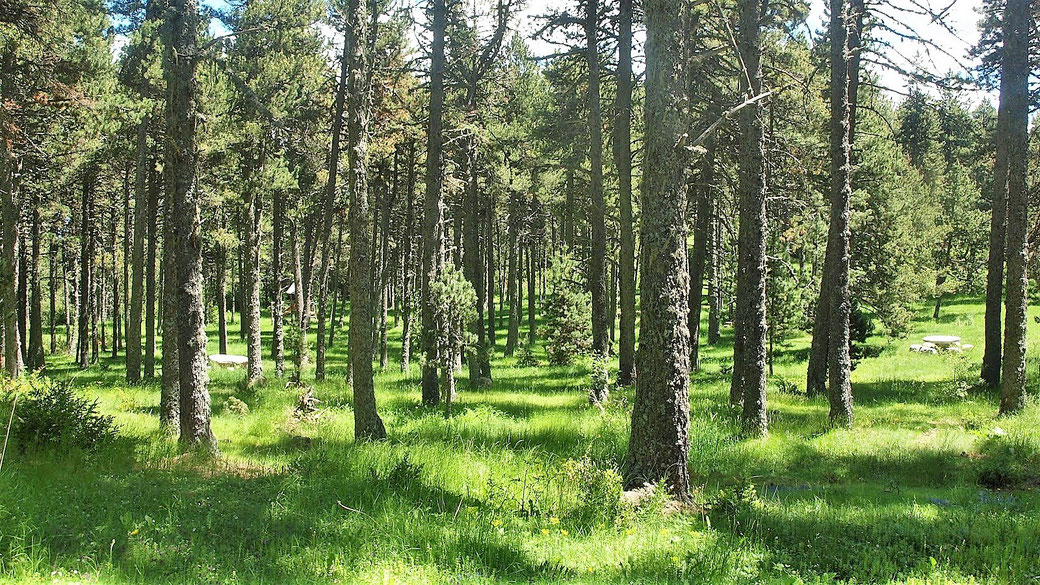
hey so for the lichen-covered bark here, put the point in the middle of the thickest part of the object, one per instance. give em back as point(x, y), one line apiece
point(169, 398)
point(180, 34)
point(659, 444)
point(367, 424)
point(253, 205)
point(749, 350)
point(1015, 70)
point(149, 272)
point(623, 163)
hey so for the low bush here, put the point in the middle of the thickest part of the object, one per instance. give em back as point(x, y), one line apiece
point(51, 415)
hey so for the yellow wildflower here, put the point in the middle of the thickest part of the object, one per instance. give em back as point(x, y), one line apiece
point(545, 531)
point(564, 532)
point(554, 520)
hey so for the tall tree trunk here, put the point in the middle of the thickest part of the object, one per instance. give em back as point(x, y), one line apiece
point(141, 213)
point(52, 267)
point(839, 361)
point(659, 444)
point(251, 258)
point(489, 255)
point(623, 162)
point(473, 265)
point(116, 328)
point(9, 208)
point(531, 276)
point(700, 251)
point(329, 211)
point(278, 330)
point(1015, 70)
point(409, 274)
point(336, 282)
point(749, 347)
point(169, 398)
point(512, 277)
point(222, 299)
point(36, 356)
point(714, 277)
point(600, 387)
point(367, 423)
point(86, 277)
point(300, 316)
point(150, 284)
point(433, 220)
point(389, 198)
point(179, 72)
point(992, 358)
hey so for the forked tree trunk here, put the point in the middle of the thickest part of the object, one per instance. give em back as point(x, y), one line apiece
point(659, 444)
point(1015, 69)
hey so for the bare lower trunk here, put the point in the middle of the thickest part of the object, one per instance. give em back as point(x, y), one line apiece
point(839, 361)
point(700, 251)
point(141, 213)
point(221, 269)
point(659, 444)
point(169, 398)
point(367, 423)
point(749, 349)
point(408, 280)
point(9, 209)
point(599, 390)
point(251, 315)
point(623, 162)
point(1015, 69)
point(180, 31)
point(433, 221)
point(150, 283)
point(278, 331)
point(86, 276)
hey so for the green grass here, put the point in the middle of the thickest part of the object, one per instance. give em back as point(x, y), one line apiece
point(518, 483)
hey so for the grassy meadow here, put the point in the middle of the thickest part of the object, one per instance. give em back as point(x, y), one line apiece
point(519, 482)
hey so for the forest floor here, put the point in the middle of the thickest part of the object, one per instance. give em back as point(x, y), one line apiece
point(518, 483)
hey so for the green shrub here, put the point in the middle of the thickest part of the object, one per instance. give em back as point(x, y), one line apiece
point(52, 416)
point(567, 313)
point(599, 490)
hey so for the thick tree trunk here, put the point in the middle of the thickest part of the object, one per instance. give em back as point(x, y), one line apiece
point(749, 347)
point(599, 390)
point(659, 444)
point(141, 213)
point(699, 253)
point(179, 72)
point(433, 220)
point(367, 423)
point(1015, 70)
point(623, 162)
point(839, 360)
